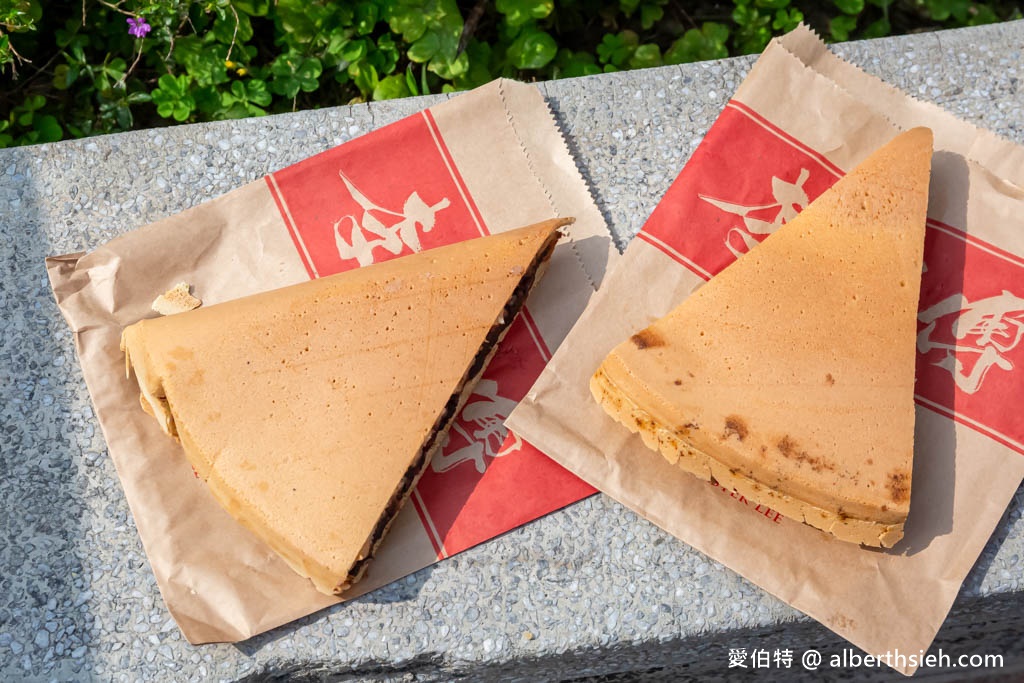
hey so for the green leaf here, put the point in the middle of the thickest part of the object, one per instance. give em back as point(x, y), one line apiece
point(232, 27)
point(174, 86)
point(391, 88)
point(645, 56)
point(650, 15)
point(255, 8)
point(172, 97)
point(571, 64)
point(386, 55)
point(532, 50)
point(479, 58)
point(354, 50)
point(787, 21)
point(410, 24)
point(840, 27)
point(850, 6)
point(877, 29)
point(616, 49)
point(207, 99)
point(257, 93)
point(425, 48)
point(942, 10)
point(204, 63)
point(410, 81)
point(696, 46)
point(365, 18)
point(180, 111)
point(753, 29)
point(365, 78)
point(291, 73)
point(519, 12)
point(984, 15)
point(449, 70)
point(64, 75)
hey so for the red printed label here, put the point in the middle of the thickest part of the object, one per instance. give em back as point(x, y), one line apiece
point(360, 204)
point(970, 328)
point(487, 480)
point(731, 195)
point(743, 182)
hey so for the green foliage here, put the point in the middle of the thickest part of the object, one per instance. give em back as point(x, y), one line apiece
point(700, 45)
point(69, 69)
point(173, 98)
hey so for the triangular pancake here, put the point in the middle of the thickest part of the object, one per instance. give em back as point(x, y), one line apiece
point(789, 376)
point(312, 410)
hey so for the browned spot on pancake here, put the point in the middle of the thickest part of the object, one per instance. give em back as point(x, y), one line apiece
point(180, 353)
point(792, 451)
point(899, 486)
point(870, 461)
point(736, 426)
point(842, 515)
point(829, 379)
point(885, 508)
point(764, 451)
point(678, 382)
point(643, 422)
point(685, 429)
point(690, 374)
point(647, 339)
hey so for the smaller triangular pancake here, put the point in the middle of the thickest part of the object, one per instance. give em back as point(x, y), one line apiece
point(789, 376)
point(312, 410)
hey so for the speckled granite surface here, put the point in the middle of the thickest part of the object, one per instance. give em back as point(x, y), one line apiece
point(587, 591)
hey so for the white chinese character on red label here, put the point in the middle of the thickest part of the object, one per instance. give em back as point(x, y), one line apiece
point(790, 198)
point(357, 236)
point(989, 328)
point(482, 424)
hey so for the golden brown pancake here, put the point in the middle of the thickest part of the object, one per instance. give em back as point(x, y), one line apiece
point(789, 376)
point(312, 410)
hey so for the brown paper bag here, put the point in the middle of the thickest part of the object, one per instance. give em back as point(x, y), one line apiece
point(486, 161)
point(797, 122)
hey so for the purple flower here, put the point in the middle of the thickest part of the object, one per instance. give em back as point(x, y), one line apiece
point(138, 27)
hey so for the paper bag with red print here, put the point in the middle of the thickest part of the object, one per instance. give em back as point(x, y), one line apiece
point(800, 119)
point(486, 161)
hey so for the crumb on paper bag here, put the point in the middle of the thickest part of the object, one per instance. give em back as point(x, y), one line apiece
point(176, 300)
